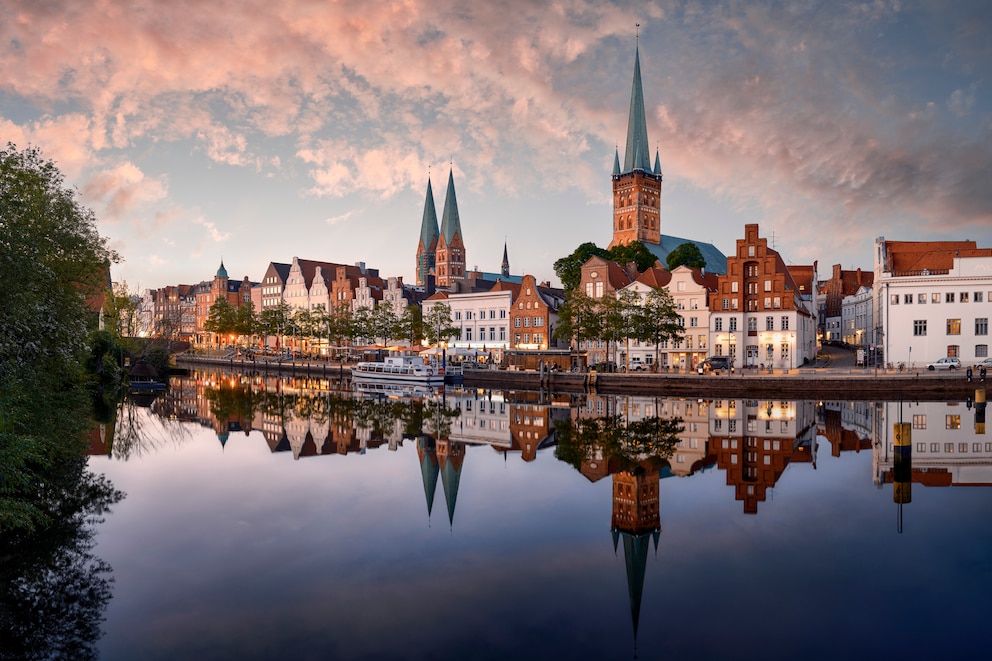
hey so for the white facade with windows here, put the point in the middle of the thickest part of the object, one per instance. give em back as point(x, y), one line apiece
point(932, 313)
point(857, 318)
point(483, 319)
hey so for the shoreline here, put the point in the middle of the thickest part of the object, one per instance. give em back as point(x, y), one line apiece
point(805, 383)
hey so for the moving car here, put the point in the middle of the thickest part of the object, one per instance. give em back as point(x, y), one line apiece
point(944, 364)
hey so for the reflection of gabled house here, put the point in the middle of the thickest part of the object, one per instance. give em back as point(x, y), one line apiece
point(481, 420)
point(530, 428)
point(755, 441)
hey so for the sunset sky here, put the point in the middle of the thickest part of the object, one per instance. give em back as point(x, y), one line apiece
point(256, 131)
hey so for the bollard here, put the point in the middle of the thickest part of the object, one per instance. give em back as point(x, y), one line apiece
point(902, 472)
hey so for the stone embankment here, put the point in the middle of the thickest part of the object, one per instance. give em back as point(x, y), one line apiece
point(806, 383)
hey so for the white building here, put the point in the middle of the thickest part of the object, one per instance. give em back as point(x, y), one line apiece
point(483, 318)
point(932, 300)
point(857, 318)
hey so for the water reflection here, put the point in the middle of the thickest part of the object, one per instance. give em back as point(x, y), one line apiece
point(675, 463)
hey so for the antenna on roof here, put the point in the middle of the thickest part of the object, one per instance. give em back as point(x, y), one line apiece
point(773, 239)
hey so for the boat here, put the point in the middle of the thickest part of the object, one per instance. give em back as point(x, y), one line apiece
point(409, 369)
point(395, 389)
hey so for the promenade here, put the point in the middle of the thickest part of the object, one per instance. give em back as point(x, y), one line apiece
point(834, 376)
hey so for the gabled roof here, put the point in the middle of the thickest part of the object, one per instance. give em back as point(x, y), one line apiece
point(716, 261)
point(281, 270)
point(803, 275)
point(655, 277)
point(438, 296)
point(450, 222)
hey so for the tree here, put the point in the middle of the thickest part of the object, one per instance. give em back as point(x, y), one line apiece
point(636, 252)
point(411, 324)
point(687, 254)
point(55, 266)
point(245, 320)
point(438, 325)
point(384, 322)
point(569, 268)
point(578, 319)
point(222, 318)
point(657, 320)
point(121, 311)
point(274, 320)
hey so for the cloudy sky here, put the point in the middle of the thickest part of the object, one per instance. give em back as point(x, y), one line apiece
point(256, 131)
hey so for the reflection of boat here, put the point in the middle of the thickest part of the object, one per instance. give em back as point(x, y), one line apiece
point(395, 389)
point(409, 369)
point(142, 377)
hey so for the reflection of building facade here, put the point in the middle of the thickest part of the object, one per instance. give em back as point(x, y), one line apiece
point(949, 446)
point(481, 419)
point(755, 441)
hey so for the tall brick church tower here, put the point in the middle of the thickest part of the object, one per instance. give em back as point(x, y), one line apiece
point(450, 256)
point(636, 187)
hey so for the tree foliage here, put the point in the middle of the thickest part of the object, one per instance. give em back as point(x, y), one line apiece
point(569, 268)
point(624, 444)
point(687, 254)
point(437, 324)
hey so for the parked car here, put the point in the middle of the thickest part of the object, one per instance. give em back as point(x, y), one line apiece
point(714, 363)
point(636, 365)
point(987, 364)
point(944, 364)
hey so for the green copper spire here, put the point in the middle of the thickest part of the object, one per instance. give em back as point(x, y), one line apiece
point(616, 163)
point(450, 223)
point(221, 272)
point(428, 226)
point(657, 163)
point(637, 156)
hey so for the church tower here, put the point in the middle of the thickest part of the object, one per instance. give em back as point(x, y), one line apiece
point(450, 256)
point(429, 234)
point(637, 186)
point(505, 266)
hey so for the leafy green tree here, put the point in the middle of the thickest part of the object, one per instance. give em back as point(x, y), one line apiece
point(222, 318)
point(384, 323)
point(578, 319)
point(569, 268)
point(438, 324)
point(54, 265)
point(636, 252)
point(245, 320)
point(274, 321)
point(411, 324)
point(687, 254)
point(625, 445)
point(656, 320)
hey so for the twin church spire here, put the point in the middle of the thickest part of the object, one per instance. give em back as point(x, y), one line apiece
point(441, 252)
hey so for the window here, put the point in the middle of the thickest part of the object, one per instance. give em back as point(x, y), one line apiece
point(935, 297)
point(718, 324)
point(921, 299)
point(963, 296)
point(982, 326)
point(458, 316)
point(733, 324)
point(953, 326)
point(726, 304)
point(919, 421)
point(526, 322)
point(516, 338)
point(953, 351)
point(589, 289)
point(920, 327)
point(981, 351)
point(468, 334)
point(752, 323)
point(894, 299)
point(907, 299)
point(978, 297)
point(693, 322)
point(769, 352)
point(769, 323)
point(734, 287)
point(953, 422)
point(516, 322)
point(949, 297)
point(785, 323)
point(785, 350)
point(768, 285)
point(538, 321)
point(599, 290)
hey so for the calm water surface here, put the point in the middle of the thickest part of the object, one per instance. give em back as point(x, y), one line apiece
point(283, 518)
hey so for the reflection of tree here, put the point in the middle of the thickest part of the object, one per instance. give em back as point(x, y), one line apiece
point(53, 590)
point(644, 443)
point(133, 436)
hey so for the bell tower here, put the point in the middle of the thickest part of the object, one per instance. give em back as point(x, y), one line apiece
point(637, 186)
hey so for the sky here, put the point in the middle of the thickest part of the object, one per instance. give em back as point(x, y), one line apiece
point(254, 131)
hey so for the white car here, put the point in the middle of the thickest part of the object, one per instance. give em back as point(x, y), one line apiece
point(987, 364)
point(944, 364)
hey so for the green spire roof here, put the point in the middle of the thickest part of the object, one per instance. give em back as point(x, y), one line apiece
point(657, 163)
point(451, 476)
point(637, 156)
point(428, 469)
point(616, 163)
point(221, 272)
point(450, 223)
point(428, 227)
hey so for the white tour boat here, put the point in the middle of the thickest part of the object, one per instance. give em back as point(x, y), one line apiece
point(416, 369)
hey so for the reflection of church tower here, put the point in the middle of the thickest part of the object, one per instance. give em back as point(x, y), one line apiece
point(636, 187)
point(429, 234)
point(451, 456)
point(637, 520)
point(450, 256)
point(428, 468)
